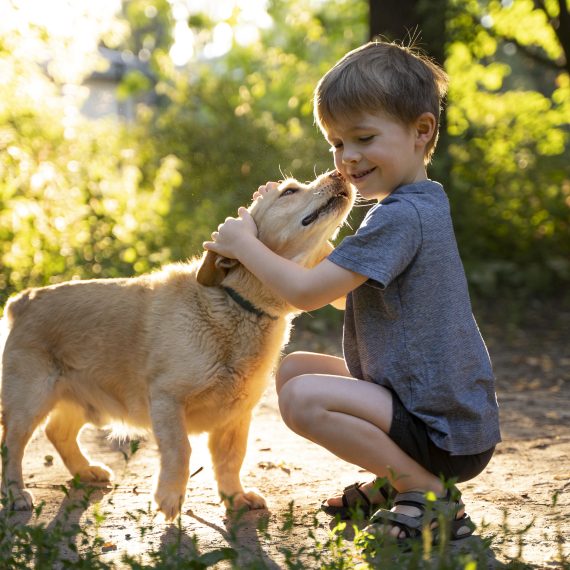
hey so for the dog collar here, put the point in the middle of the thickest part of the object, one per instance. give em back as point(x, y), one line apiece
point(247, 305)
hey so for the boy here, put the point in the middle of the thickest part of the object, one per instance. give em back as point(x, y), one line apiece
point(413, 400)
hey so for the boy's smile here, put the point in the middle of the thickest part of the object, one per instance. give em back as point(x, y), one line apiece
point(360, 175)
point(377, 153)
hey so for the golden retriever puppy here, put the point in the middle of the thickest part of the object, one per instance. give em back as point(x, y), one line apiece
point(184, 350)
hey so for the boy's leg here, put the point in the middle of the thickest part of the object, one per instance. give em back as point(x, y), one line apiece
point(299, 363)
point(352, 419)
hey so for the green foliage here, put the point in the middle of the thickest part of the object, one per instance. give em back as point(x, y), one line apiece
point(82, 199)
point(76, 200)
point(76, 206)
point(510, 184)
point(245, 118)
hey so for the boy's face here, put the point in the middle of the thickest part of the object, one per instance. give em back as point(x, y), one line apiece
point(376, 153)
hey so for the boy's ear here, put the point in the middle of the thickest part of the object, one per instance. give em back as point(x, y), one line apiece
point(425, 127)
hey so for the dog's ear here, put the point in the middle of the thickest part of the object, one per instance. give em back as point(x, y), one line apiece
point(214, 269)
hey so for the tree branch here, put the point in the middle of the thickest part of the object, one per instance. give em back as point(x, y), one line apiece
point(534, 55)
point(559, 28)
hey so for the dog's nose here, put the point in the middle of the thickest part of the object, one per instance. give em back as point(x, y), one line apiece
point(336, 175)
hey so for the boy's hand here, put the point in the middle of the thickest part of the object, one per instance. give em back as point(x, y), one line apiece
point(232, 235)
point(262, 190)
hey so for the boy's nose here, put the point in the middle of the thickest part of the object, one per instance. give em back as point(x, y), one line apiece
point(350, 156)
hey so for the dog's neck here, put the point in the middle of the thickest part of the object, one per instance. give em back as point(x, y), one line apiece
point(255, 294)
point(245, 304)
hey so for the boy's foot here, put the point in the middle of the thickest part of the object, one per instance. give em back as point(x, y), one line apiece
point(364, 497)
point(406, 519)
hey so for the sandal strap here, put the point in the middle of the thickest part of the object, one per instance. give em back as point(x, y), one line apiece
point(410, 526)
point(398, 519)
point(412, 499)
point(353, 495)
point(385, 489)
point(429, 510)
point(417, 498)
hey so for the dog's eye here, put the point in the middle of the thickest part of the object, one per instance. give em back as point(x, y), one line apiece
point(289, 191)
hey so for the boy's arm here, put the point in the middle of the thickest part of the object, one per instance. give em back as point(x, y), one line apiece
point(339, 303)
point(306, 289)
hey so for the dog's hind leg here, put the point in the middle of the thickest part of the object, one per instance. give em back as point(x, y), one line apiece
point(65, 423)
point(227, 445)
point(27, 396)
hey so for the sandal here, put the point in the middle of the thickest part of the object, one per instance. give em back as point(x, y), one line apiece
point(355, 501)
point(412, 527)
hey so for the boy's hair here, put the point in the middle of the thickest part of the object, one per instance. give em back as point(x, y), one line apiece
point(380, 76)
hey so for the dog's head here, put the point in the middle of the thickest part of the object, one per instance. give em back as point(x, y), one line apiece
point(294, 220)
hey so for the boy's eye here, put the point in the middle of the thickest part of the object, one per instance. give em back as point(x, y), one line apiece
point(289, 191)
point(366, 139)
point(336, 146)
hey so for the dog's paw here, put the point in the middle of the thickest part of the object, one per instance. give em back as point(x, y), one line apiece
point(168, 503)
point(95, 474)
point(20, 500)
point(249, 500)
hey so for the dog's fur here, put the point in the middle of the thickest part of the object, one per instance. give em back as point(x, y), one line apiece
point(170, 352)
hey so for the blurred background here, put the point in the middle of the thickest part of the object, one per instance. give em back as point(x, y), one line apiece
point(130, 129)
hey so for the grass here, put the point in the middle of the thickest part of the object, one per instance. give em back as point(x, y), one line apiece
point(67, 544)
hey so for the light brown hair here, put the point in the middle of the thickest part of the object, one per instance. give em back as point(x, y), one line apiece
point(382, 77)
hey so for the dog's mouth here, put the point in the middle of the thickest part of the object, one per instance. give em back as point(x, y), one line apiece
point(329, 205)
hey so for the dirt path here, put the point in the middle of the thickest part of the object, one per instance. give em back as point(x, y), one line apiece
point(529, 472)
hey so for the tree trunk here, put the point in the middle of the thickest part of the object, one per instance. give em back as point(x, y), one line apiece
point(420, 23)
point(562, 31)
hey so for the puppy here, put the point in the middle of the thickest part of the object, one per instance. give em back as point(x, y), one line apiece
point(184, 350)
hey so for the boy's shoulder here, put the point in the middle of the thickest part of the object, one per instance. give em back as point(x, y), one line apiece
point(423, 188)
point(426, 197)
point(411, 200)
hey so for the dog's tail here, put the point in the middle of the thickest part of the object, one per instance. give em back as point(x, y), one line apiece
point(5, 325)
point(16, 306)
point(4, 331)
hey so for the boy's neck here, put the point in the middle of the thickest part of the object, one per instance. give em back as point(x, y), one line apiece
point(420, 177)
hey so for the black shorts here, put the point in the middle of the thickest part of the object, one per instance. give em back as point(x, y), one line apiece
point(411, 435)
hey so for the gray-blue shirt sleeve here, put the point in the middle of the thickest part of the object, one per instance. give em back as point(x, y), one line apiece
point(384, 244)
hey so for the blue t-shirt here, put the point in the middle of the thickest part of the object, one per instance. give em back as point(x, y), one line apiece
point(410, 327)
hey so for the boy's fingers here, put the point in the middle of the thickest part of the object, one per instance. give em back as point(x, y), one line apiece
point(264, 188)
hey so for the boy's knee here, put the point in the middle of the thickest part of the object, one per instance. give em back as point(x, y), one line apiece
point(288, 368)
point(288, 399)
point(295, 404)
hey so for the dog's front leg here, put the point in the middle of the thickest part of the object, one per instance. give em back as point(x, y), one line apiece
point(169, 429)
point(227, 446)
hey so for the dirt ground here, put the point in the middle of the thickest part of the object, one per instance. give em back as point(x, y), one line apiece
point(530, 471)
